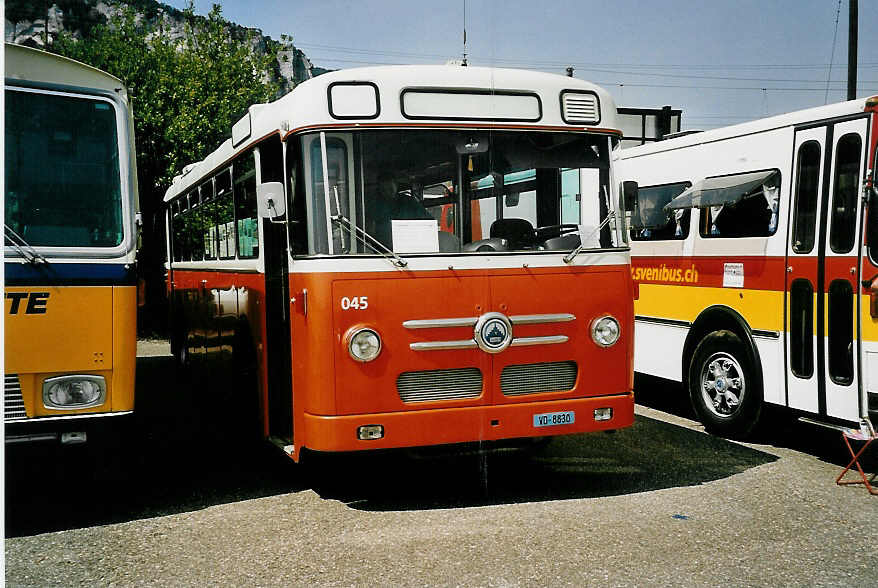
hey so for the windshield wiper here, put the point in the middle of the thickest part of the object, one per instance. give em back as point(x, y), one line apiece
point(22, 247)
point(381, 249)
point(570, 256)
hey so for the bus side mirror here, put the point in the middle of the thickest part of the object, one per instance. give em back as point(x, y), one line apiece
point(270, 201)
point(629, 196)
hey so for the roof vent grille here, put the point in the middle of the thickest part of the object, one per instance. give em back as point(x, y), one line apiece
point(580, 108)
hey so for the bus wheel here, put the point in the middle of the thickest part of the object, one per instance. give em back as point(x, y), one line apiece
point(723, 386)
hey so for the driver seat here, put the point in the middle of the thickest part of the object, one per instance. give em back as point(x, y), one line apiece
point(518, 231)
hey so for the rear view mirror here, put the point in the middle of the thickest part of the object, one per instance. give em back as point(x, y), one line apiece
point(270, 201)
point(629, 196)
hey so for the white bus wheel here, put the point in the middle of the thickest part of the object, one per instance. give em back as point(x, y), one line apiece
point(723, 387)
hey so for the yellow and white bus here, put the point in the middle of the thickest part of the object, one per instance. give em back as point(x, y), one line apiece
point(754, 251)
point(69, 234)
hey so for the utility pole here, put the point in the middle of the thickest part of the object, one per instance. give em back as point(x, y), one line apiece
point(852, 50)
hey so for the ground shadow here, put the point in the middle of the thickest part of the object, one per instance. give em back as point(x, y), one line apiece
point(651, 455)
point(179, 455)
point(779, 427)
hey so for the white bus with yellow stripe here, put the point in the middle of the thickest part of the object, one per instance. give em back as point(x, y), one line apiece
point(69, 234)
point(755, 253)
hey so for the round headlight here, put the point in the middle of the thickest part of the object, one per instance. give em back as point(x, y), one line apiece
point(605, 331)
point(364, 345)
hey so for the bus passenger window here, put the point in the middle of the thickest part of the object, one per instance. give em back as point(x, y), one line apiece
point(652, 222)
point(841, 332)
point(208, 220)
point(225, 208)
point(179, 236)
point(805, 203)
point(845, 190)
point(244, 175)
point(802, 328)
point(731, 214)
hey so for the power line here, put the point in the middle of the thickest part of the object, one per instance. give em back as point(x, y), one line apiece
point(616, 83)
point(566, 61)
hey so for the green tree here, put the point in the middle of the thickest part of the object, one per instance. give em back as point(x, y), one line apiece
point(186, 95)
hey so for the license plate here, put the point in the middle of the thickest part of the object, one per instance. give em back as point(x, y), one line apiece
point(550, 419)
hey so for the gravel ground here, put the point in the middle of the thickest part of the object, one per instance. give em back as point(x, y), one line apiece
point(660, 503)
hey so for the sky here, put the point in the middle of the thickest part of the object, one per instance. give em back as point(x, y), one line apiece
point(721, 62)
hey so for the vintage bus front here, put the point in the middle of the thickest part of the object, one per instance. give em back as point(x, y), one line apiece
point(70, 293)
point(459, 270)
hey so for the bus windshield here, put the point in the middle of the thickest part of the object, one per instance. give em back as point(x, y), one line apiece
point(63, 186)
point(479, 191)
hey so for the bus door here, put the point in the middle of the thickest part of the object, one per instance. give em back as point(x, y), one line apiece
point(822, 273)
point(279, 395)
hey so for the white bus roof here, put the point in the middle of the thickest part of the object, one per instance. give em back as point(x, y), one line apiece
point(308, 105)
point(748, 128)
point(34, 65)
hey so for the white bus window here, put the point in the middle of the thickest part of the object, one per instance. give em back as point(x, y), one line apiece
point(652, 222)
point(842, 229)
point(246, 220)
point(418, 174)
point(63, 184)
point(570, 196)
point(225, 214)
point(805, 203)
point(208, 217)
point(333, 197)
point(742, 206)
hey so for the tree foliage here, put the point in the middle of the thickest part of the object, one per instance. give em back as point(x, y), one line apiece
point(186, 95)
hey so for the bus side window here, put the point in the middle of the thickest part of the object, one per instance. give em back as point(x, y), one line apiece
point(754, 215)
point(208, 220)
point(296, 205)
point(225, 214)
point(194, 227)
point(651, 222)
point(180, 242)
point(244, 173)
point(805, 203)
point(845, 191)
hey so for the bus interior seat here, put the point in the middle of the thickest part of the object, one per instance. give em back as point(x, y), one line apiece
point(518, 231)
point(448, 243)
point(563, 243)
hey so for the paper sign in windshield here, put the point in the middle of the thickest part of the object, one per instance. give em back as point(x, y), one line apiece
point(415, 236)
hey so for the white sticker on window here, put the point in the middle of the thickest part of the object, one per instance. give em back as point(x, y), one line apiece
point(733, 275)
point(415, 236)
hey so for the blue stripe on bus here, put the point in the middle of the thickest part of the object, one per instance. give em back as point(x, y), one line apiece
point(69, 274)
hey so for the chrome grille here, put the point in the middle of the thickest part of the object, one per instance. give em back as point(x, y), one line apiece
point(432, 385)
point(580, 108)
point(13, 403)
point(535, 378)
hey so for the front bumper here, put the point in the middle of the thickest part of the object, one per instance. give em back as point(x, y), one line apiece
point(437, 426)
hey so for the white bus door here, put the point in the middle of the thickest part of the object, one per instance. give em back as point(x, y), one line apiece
point(822, 270)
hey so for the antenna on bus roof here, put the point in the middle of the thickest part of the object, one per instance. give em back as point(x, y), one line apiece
point(463, 62)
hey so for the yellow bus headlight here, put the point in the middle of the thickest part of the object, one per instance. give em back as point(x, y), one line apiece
point(74, 392)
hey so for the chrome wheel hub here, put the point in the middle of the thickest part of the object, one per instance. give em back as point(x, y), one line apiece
point(722, 385)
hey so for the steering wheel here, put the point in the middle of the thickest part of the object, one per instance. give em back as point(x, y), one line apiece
point(549, 231)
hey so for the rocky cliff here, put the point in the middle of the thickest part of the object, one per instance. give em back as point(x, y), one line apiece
point(37, 23)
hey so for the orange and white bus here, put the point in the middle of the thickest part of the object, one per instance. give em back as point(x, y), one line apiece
point(755, 251)
point(330, 245)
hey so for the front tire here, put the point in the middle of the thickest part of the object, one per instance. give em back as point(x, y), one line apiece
point(724, 388)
